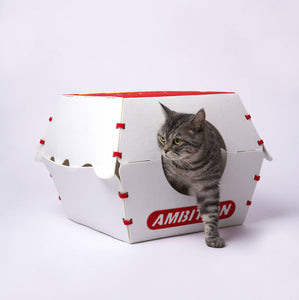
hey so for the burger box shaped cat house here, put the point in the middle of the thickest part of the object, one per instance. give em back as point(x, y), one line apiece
point(102, 153)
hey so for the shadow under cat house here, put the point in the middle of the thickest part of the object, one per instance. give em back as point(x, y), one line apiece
point(102, 153)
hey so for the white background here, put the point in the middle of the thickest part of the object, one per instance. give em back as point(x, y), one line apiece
point(53, 47)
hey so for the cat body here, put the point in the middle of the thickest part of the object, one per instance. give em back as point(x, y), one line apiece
point(191, 158)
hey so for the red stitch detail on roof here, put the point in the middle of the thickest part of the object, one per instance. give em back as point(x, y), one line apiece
point(50, 119)
point(150, 94)
point(248, 203)
point(248, 117)
point(42, 142)
point(260, 142)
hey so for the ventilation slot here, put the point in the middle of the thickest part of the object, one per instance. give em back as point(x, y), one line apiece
point(66, 163)
point(87, 165)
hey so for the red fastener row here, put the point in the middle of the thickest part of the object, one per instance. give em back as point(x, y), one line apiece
point(260, 142)
point(118, 126)
point(124, 196)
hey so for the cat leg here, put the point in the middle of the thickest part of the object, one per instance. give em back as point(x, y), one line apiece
point(209, 212)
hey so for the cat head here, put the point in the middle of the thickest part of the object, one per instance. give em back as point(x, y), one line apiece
point(181, 135)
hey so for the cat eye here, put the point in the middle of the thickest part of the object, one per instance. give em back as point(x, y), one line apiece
point(177, 141)
point(162, 139)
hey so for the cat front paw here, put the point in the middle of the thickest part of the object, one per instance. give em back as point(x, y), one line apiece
point(217, 242)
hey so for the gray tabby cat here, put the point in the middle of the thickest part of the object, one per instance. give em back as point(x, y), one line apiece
point(191, 159)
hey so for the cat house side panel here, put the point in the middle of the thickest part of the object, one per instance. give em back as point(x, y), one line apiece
point(83, 131)
point(90, 200)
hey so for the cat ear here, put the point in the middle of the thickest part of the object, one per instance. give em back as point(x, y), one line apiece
point(199, 119)
point(167, 112)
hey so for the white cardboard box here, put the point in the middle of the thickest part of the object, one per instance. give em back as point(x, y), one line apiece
point(125, 193)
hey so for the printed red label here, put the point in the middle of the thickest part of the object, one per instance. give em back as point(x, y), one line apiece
point(185, 215)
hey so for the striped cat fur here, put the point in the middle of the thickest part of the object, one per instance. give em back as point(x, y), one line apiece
point(191, 159)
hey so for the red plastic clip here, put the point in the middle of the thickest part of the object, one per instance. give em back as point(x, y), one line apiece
point(123, 195)
point(50, 119)
point(248, 203)
point(248, 117)
point(117, 154)
point(260, 142)
point(120, 125)
point(257, 177)
point(127, 222)
point(42, 142)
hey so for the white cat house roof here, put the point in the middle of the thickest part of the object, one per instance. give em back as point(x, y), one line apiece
point(101, 150)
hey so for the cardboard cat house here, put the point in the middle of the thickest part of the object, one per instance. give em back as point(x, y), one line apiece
point(102, 153)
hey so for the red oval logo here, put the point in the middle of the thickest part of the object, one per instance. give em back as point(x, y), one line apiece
point(185, 215)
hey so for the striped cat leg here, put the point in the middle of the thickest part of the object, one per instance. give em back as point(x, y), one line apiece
point(208, 206)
